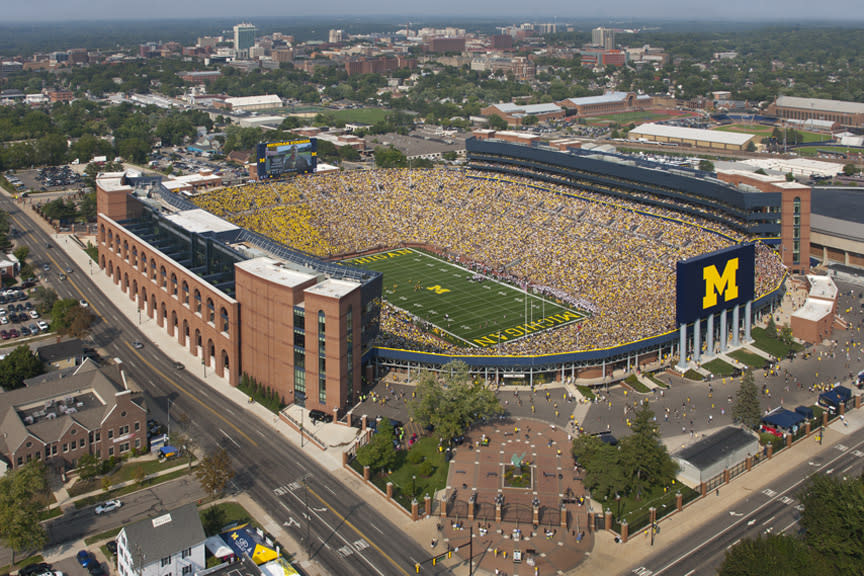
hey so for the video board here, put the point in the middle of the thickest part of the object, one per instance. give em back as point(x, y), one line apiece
point(292, 157)
point(713, 282)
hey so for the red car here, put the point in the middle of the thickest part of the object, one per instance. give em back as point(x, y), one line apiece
point(13, 333)
point(4, 334)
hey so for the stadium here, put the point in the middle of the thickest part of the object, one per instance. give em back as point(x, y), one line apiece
point(528, 263)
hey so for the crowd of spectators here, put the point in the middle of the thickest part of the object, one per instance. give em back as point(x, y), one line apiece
point(601, 255)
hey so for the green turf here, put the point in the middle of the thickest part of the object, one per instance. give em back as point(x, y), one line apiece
point(363, 115)
point(748, 358)
point(627, 117)
point(477, 314)
point(719, 367)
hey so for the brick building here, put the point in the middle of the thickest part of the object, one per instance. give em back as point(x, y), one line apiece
point(60, 416)
point(608, 103)
point(846, 114)
point(794, 213)
point(237, 300)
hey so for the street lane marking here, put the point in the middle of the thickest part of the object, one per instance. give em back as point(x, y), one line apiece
point(768, 492)
point(841, 447)
point(769, 520)
point(190, 395)
point(229, 438)
point(357, 530)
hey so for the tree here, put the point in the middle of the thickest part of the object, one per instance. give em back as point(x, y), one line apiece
point(23, 494)
point(21, 253)
point(452, 402)
point(497, 123)
point(389, 157)
point(790, 177)
point(706, 165)
point(379, 453)
point(751, 146)
point(604, 475)
point(18, 365)
point(774, 555)
point(45, 299)
point(106, 483)
point(833, 519)
point(746, 409)
point(89, 466)
point(850, 169)
point(214, 472)
point(68, 317)
point(644, 457)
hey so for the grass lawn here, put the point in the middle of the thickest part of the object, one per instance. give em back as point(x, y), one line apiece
point(758, 129)
point(638, 386)
point(693, 375)
point(636, 511)
point(364, 115)
point(465, 312)
point(771, 344)
point(586, 392)
point(126, 472)
point(218, 516)
point(134, 487)
point(830, 151)
point(407, 475)
point(657, 381)
point(749, 358)
point(103, 536)
point(719, 367)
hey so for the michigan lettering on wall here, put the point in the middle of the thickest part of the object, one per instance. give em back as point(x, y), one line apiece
point(710, 283)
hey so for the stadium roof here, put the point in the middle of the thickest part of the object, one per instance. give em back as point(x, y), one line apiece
point(606, 98)
point(200, 221)
point(821, 104)
point(840, 204)
point(797, 166)
point(529, 109)
point(698, 134)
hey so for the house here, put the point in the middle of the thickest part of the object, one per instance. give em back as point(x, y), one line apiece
point(168, 545)
point(77, 411)
point(62, 354)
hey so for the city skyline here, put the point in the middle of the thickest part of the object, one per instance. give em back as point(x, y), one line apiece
point(767, 10)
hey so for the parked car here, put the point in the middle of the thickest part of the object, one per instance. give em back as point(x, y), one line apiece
point(25, 331)
point(85, 558)
point(43, 326)
point(108, 506)
point(96, 569)
point(111, 545)
point(34, 314)
point(319, 416)
point(137, 345)
point(31, 569)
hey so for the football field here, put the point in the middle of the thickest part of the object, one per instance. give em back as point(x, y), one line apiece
point(461, 307)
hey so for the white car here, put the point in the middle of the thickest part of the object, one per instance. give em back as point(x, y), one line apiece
point(43, 326)
point(83, 303)
point(34, 314)
point(108, 506)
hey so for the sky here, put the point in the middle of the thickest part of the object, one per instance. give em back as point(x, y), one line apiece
point(800, 11)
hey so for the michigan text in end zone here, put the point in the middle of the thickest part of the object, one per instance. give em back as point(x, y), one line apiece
point(464, 307)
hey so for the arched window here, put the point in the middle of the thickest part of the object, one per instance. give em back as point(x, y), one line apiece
point(173, 284)
point(223, 314)
point(102, 233)
point(164, 276)
point(197, 301)
point(185, 292)
point(125, 250)
point(135, 256)
point(111, 239)
point(153, 269)
point(211, 311)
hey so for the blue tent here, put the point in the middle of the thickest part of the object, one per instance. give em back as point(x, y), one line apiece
point(805, 411)
point(783, 418)
point(834, 397)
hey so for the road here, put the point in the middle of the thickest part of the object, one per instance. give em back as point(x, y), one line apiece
point(773, 510)
point(346, 535)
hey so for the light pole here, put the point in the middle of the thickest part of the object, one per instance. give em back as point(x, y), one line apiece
point(618, 499)
point(413, 480)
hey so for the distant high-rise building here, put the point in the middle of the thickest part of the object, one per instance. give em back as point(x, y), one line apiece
point(244, 38)
point(603, 37)
point(336, 36)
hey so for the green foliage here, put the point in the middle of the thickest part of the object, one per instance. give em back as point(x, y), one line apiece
point(214, 472)
point(706, 165)
point(264, 395)
point(604, 473)
point(45, 299)
point(23, 493)
point(89, 466)
point(390, 157)
point(60, 209)
point(379, 453)
point(850, 169)
point(240, 138)
point(497, 123)
point(773, 555)
point(833, 519)
point(18, 365)
point(453, 401)
point(746, 409)
point(69, 318)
